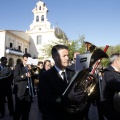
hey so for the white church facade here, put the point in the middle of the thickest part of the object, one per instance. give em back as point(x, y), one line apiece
point(40, 30)
point(15, 43)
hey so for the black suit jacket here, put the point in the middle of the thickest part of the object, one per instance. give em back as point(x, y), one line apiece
point(20, 80)
point(51, 87)
point(110, 85)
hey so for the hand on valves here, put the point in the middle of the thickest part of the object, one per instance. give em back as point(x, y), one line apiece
point(77, 96)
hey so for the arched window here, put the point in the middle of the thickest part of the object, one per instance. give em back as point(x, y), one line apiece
point(37, 18)
point(42, 18)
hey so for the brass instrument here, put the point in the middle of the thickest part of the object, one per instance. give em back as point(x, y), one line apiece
point(29, 82)
point(84, 80)
point(5, 72)
point(35, 71)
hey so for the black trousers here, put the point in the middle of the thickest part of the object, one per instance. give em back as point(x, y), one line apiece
point(38, 99)
point(22, 108)
point(2, 103)
point(6, 93)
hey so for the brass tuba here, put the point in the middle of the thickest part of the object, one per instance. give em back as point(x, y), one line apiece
point(5, 72)
point(85, 80)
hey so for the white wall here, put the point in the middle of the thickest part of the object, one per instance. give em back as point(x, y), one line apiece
point(2, 43)
point(46, 36)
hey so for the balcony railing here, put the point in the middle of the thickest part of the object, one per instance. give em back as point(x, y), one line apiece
point(14, 52)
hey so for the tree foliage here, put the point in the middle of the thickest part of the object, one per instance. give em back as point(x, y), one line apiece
point(75, 45)
point(110, 51)
point(46, 49)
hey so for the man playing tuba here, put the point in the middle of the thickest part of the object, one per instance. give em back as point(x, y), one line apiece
point(53, 83)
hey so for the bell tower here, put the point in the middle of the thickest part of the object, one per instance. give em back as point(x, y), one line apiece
point(40, 30)
point(40, 21)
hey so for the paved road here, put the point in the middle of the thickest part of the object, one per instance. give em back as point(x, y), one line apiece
point(36, 115)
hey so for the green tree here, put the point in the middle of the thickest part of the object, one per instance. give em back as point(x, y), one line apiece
point(46, 49)
point(110, 51)
point(76, 45)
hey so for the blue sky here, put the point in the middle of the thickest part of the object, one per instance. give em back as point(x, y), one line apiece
point(98, 20)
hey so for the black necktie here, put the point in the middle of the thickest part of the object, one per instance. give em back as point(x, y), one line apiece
point(64, 77)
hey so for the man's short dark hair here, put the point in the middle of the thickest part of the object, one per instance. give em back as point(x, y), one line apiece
point(56, 48)
point(18, 61)
point(3, 58)
point(26, 55)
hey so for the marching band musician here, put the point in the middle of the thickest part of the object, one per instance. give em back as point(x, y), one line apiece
point(46, 66)
point(111, 85)
point(22, 90)
point(40, 65)
point(5, 88)
point(53, 84)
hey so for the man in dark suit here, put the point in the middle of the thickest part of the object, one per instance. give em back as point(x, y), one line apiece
point(111, 85)
point(53, 84)
point(22, 90)
point(5, 88)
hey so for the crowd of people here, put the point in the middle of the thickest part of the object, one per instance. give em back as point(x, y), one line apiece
point(49, 82)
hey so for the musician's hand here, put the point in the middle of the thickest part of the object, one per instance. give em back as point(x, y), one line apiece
point(76, 96)
point(28, 74)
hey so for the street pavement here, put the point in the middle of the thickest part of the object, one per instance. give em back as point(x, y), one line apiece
point(36, 115)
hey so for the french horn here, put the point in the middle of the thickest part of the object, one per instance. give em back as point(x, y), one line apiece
point(85, 80)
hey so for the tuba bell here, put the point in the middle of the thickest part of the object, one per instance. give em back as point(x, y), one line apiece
point(85, 80)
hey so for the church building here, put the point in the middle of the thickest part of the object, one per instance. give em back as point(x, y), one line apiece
point(15, 43)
